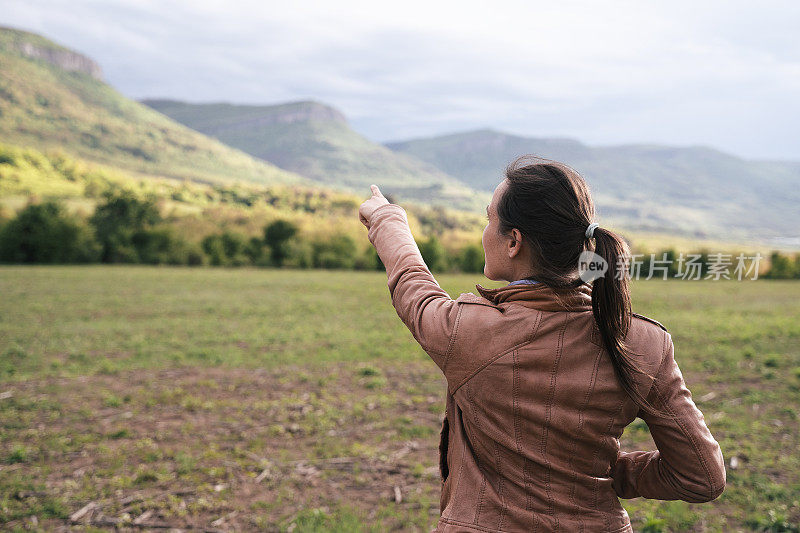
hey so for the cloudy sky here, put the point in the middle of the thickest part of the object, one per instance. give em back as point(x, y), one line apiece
point(716, 73)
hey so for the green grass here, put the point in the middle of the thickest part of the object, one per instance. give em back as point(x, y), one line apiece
point(71, 321)
point(180, 386)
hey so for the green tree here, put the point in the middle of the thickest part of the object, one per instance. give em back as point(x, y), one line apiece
point(672, 256)
point(705, 262)
point(255, 251)
point(235, 245)
point(276, 237)
point(215, 250)
point(780, 267)
point(471, 259)
point(45, 233)
point(227, 248)
point(432, 253)
point(121, 216)
point(369, 260)
point(161, 246)
point(335, 251)
point(300, 254)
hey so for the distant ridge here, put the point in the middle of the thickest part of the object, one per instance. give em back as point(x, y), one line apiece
point(230, 116)
point(315, 140)
point(696, 190)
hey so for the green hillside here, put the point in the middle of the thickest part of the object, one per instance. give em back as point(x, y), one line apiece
point(696, 191)
point(316, 141)
point(198, 209)
point(52, 97)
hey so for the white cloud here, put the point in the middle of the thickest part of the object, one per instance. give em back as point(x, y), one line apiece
point(715, 73)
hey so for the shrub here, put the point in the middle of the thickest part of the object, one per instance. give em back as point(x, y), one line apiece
point(235, 245)
point(276, 237)
point(432, 253)
point(215, 250)
point(44, 233)
point(254, 250)
point(782, 267)
point(162, 246)
point(121, 216)
point(471, 259)
point(336, 251)
point(300, 254)
point(369, 260)
point(227, 248)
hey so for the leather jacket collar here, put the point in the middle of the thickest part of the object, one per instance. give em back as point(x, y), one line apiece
point(540, 296)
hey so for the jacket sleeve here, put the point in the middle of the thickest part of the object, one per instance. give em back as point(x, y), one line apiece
point(688, 464)
point(425, 308)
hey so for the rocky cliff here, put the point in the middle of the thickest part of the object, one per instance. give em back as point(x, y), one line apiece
point(33, 46)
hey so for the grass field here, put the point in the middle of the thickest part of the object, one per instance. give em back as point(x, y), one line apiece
point(296, 400)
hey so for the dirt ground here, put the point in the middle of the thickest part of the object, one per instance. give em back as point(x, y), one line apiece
point(228, 449)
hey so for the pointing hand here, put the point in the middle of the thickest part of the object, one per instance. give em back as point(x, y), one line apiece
point(369, 206)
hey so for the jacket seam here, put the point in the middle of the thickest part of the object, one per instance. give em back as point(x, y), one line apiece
point(454, 488)
point(482, 490)
point(434, 352)
point(453, 521)
point(453, 336)
point(430, 350)
point(504, 505)
point(626, 527)
point(501, 354)
point(515, 386)
point(661, 363)
point(548, 419)
point(589, 391)
point(596, 452)
point(478, 302)
point(467, 524)
point(651, 320)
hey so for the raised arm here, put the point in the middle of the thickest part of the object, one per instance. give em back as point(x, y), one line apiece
point(688, 464)
point(423, 306)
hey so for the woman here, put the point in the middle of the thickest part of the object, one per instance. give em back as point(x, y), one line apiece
point(544, 373)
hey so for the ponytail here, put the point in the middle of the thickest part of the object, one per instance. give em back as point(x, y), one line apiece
point(611, 307)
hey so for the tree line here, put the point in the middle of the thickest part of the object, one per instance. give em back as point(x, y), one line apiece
point(128, 229)
point(125, 228)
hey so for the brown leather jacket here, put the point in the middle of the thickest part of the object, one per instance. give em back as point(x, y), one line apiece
point(530, 441)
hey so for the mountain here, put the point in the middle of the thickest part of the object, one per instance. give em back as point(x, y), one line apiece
point(697, 191)
point(52, 98)
point(315, 140)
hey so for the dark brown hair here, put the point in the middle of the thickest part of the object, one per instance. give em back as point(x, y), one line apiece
point(549, 203)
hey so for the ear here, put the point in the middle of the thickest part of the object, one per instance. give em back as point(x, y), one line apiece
point(514, 243)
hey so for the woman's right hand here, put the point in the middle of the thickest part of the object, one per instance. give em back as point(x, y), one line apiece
point(369, 206)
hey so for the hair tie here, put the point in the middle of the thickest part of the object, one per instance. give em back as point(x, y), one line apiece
point(590, 229)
